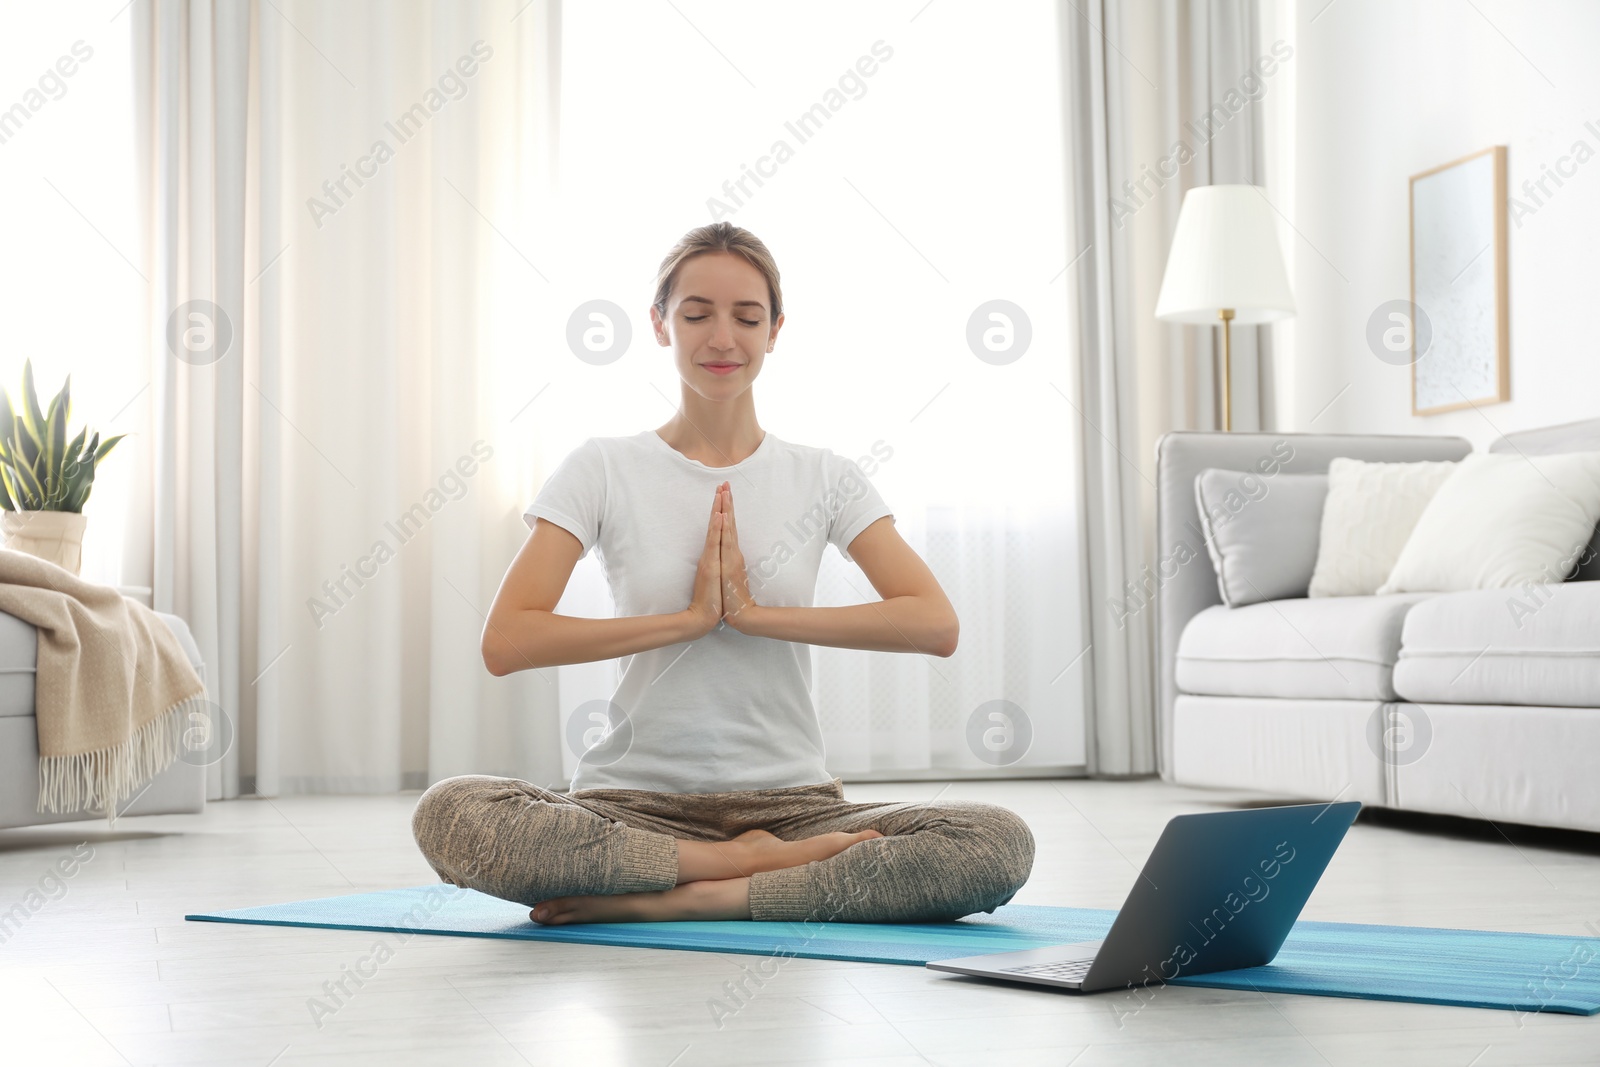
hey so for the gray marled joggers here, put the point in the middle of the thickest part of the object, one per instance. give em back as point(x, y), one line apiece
point(517, 841)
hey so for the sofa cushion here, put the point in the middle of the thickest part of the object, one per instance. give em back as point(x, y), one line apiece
point(1325, 648)
point(1295, 748)
point(1261, 532)
point(19, 648)
point(1537, 645)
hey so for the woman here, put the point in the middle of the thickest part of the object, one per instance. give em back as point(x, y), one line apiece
point(708, 797)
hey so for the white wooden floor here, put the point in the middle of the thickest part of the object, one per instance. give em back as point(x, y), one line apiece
point(107, 972)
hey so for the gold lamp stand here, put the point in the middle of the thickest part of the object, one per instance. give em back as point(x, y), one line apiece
point(1226, 315)
point(1225, 266)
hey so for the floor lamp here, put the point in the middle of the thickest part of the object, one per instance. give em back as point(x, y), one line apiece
point(1225, 267)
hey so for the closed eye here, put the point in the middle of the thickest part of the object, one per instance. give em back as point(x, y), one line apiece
point(747, 322)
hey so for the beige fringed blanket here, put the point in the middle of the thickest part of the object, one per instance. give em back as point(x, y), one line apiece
point(113, 691)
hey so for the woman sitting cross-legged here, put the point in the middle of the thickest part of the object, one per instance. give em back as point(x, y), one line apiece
point(708, 797)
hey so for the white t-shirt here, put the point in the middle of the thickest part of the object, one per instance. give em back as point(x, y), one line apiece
point(726, 711)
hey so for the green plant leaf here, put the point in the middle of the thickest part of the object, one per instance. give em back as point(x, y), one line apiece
point(28, 486)
point(80, 464)
point(101, 452)
point(6, 500)
point(8, 480)
point(32, 489)
point(23, 447)
point(80, 489)
point(89, 458)
point(27, 452)
point(55, 444)
point(75, 449)
point(32, 416)
point(81, 474)
point(8, 483)
point(8, 417)
point(5, 467)
point(86, 472)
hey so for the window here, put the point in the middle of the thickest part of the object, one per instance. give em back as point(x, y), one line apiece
point(70, 284)
point(905, 174)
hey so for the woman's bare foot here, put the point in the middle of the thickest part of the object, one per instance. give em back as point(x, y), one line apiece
point(758, 850)
point(767, 852)
point(706, 900)
point(700, 895)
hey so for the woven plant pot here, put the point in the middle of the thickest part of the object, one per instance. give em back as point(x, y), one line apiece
point(56, 536)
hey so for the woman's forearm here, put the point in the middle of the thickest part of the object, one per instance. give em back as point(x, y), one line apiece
point(530, 638)
point(898, 624)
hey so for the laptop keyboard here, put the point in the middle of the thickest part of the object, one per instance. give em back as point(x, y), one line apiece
point(1068, 970)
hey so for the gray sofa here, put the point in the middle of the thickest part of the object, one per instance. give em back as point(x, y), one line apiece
point(180, 788)
point(1457, 703)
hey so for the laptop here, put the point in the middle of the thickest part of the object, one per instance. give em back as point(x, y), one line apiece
point(1220, 891)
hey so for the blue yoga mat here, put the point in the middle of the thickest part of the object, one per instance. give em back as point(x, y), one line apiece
point(1427, 965)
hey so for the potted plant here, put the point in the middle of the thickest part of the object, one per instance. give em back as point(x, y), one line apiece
point(44, 480)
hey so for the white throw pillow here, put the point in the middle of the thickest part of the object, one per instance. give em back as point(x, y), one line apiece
point(1501, 520)
point(1368, 516)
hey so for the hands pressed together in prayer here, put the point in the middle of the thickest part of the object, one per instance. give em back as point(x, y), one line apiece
point(721, 584)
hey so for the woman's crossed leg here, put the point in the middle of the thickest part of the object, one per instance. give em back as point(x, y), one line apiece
point(782, 854)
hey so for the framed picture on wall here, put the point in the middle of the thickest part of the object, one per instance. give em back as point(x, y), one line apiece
point(1460, 337)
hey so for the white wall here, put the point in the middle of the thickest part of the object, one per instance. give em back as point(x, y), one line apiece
point(1387, 88)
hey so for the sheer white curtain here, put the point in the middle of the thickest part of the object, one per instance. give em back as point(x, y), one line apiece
point(905, 165)
point(1161, 97)
point(332, 498)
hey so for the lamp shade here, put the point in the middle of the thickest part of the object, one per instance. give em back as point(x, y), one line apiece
point(1225, 254)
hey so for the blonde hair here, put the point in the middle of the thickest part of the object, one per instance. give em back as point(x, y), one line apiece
point(719, 237)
